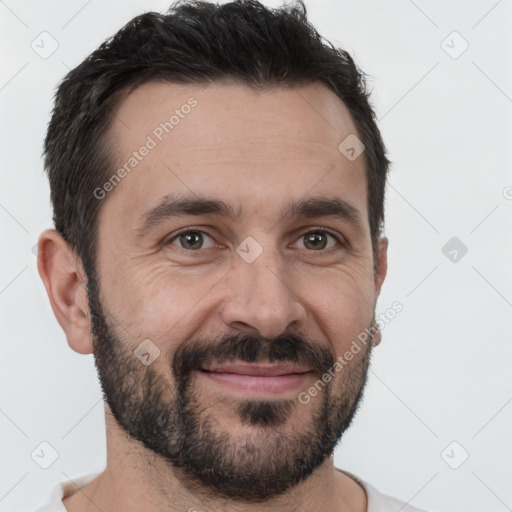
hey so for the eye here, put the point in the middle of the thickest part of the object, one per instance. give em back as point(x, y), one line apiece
point(191, 239)
point(194, 240)
point(317, 240)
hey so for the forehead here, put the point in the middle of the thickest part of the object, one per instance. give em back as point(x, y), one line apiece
point(253, 147)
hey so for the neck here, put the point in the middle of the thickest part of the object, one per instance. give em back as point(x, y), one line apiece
point(136, 480)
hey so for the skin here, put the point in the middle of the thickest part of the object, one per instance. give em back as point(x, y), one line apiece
point(261, 150)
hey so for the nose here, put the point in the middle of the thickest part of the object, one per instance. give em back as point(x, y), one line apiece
point(261, 297)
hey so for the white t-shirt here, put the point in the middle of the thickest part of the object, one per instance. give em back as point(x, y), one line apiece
point(377, 502)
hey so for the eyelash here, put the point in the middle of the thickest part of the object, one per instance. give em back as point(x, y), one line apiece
point(310, 231)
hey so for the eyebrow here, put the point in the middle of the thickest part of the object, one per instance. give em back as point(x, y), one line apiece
point(172, 206)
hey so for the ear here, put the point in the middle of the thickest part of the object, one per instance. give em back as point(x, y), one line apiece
point(65, 282)
point(381, 265)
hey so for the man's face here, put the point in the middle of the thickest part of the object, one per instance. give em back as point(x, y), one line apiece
point(269, 286)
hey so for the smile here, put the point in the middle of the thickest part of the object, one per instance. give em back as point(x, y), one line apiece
point(257, 380)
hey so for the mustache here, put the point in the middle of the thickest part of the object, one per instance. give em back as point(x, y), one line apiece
point(243, 347)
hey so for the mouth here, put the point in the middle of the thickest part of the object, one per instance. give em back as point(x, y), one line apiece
point(258, 379)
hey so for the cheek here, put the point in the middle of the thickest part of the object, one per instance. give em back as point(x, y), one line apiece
point(159, 304)
point(342, 305)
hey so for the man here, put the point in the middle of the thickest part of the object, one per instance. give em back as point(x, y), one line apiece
point(217, 180)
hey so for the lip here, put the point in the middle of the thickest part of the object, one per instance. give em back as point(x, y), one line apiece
point(258, 379)
point(271, 370)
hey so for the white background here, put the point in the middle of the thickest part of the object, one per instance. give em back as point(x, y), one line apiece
point(442, 371)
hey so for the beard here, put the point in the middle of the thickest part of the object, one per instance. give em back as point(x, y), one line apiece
point(166, 413)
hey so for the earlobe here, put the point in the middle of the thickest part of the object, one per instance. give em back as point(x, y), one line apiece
point(377, 336)
point(63, 278)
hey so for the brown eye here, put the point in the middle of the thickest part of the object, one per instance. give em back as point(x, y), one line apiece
point(191, 240)
point(318, 240)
